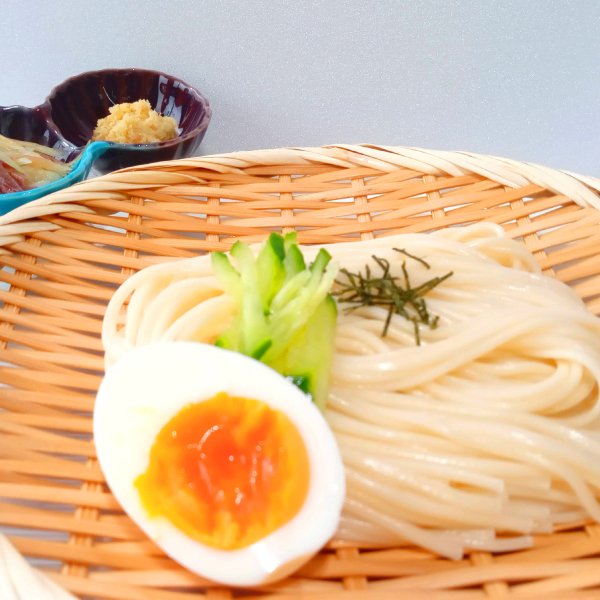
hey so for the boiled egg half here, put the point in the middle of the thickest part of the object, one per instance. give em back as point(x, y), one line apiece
point(224, 463)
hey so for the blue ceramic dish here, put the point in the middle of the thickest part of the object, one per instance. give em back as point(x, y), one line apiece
point(69, 115)
point(81, 169)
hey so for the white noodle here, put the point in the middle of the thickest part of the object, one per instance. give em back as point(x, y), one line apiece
point(491, 425)
point(19, 581)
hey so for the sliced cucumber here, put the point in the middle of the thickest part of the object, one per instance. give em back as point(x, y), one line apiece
point(285, 322)
point(270, 270)
point(277, 242)
point(290, 290)
point(301, 383)
point(293, 262)
point(232, 337)
point(322, 260)
point(227, 275)
point(290, 239)
point(255, 338)
point(309, 355)
point(286, 317)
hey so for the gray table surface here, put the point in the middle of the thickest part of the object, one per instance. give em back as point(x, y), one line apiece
point(513, 78)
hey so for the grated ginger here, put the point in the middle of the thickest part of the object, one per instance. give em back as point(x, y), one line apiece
point(135, 123)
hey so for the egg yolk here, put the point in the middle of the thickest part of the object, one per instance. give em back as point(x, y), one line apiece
point(227, 472)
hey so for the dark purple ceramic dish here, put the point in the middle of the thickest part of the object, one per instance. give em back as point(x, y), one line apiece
point(76, 105)
point(67, 118)
point(69, 115)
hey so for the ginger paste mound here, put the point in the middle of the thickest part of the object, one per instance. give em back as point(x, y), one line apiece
point(135, 123)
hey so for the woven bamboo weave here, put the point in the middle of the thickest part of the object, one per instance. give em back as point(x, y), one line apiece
point(63, 256)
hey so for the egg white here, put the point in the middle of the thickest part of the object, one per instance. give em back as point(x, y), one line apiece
point(143, 391)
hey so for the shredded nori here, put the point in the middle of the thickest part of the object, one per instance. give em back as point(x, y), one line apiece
point(388, 292)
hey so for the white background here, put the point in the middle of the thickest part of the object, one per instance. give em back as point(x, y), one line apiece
point(516, 78)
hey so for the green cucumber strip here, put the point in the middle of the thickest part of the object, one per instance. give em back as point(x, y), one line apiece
point(230, 339)
point(276, 241)
point(290, 239)
point(309, 355)
point(260, 349)
point(270, 270)
point(255, 338)
point(290, 290)
point(316, 269)
point(293, 262)
point(286, 316)
point(285, 322)
point(310, 281)
point(227, 275)
point(301, 382)
point(321, 261)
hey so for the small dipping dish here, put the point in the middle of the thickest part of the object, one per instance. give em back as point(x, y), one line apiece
point(68, 117)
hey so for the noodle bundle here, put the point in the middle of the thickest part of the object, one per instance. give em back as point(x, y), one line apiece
point(489, 426)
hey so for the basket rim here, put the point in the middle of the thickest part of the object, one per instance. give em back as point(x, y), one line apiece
point(582, 189)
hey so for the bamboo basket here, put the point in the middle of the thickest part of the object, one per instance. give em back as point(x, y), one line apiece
point(64, 255)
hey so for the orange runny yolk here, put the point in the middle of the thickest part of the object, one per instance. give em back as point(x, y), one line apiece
point(227, 472)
